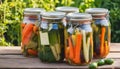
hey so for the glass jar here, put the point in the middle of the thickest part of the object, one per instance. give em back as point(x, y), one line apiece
point(51, 47)
point(101, 31)
point(79, 49)
point(29, 31)
point(67, 10)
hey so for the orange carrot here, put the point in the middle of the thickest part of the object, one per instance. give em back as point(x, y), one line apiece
point(91, 39)
point(67, 52)
point(26, 39)
point(26, 33)
point(27, 28)
point(35, 29)
point(106, 49)
point(91, 44)
point(102, 41)
point(32, 52)
point(71, 53)
point(23, 25)
point(78, 48)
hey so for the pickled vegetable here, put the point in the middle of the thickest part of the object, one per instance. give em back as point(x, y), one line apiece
point(101, 31)
point(101, 41)
point(51, 38)
point(79, 49)
point(30, 41)
point(30, 31)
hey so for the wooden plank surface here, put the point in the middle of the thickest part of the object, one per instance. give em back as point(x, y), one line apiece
point(115, 47)
point(11, 58)
point(10, 50)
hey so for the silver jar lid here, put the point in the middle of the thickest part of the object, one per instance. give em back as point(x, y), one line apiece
point(97, 11)
point(78, 16)
point(53, 15)
point(33, 11)
point(67, 9)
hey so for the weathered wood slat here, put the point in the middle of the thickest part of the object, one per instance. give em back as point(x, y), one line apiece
point(30, 63)
point(114, 55)
point(11, 58)
point(34, 63)
point(110, 55)
point(10, 50)
point(115, 47)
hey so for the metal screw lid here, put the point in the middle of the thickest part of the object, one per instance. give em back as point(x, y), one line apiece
point(97, 11)
point(79, 16)
point(67, 9)
point(33, 11)
point(53, 15)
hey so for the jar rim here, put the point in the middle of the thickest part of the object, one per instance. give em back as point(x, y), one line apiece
point(97, 11)
point(67, 9)
point(53, 15)
point(33, 10)
point(79, 16)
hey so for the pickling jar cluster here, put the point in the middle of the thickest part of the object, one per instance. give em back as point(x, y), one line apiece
point(66, 34)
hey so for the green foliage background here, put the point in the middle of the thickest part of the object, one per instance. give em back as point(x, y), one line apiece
point(11, 15)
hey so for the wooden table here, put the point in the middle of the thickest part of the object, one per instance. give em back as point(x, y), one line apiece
point(11, 58)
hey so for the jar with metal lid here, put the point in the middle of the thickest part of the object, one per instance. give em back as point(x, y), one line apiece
point(29, 31)
point(79, 49)
point(101, 31)
point(51, 47)
point(67, 10)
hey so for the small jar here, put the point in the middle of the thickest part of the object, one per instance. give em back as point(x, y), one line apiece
point(51, 47)
point(29, 31)
point(79, 49)
point(101, 31)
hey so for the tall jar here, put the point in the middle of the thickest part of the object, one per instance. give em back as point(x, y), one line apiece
point(67, 10)
point(51, 47)
point(79, 49)
point(101, 31)
point(29, 31)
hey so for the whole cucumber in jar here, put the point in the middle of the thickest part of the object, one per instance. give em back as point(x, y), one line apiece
point(51, 47)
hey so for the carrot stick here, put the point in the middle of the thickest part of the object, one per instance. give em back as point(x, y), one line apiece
point(27, 28)
point(78, 48)
point(91, 44)
point(23, 25)
point(102, 41)
point(35, 29)
point(26, 33)
point(67, 52)
point(71, 53)
point(26, 39)
point(106, 49)
point(32, 52)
